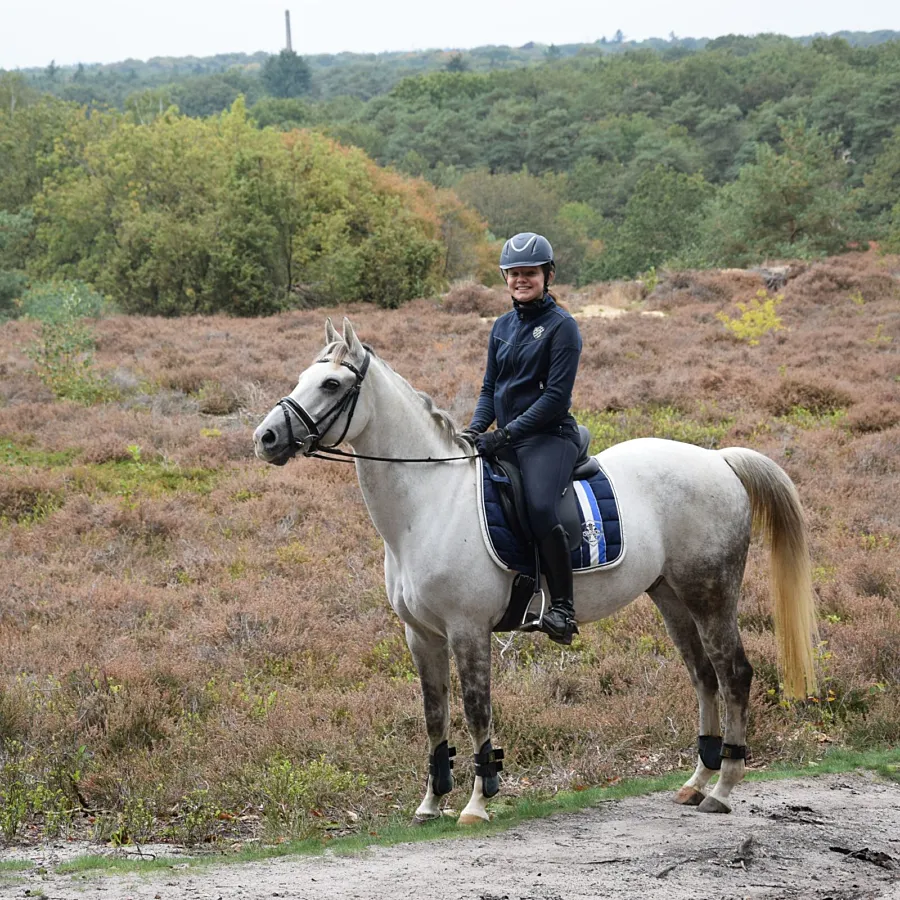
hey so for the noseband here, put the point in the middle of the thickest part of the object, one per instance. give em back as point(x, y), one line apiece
point(315, 428)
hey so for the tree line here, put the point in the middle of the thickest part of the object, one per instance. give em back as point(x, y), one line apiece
point(745, 149)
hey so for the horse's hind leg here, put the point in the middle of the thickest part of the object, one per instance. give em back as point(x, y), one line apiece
point(472, 651)
point(713, 605)
point(686, 638)
point(432, 658)
point(726, 652)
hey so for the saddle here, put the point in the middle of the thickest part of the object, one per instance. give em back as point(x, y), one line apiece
point(512, 495)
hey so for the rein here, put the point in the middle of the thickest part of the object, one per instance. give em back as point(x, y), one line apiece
point(333, 451)
point(347, 402)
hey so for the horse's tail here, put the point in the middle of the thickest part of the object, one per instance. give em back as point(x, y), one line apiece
point(777, 513)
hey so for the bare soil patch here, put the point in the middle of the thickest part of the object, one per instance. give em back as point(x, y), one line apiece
point(829, 837)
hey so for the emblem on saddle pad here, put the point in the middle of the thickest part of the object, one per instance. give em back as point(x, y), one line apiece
point(591, 533)
point(537, 332)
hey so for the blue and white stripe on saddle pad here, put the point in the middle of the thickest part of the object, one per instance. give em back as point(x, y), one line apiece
point(602, 542)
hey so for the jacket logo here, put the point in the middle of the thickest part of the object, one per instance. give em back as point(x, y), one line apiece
point(537, 332)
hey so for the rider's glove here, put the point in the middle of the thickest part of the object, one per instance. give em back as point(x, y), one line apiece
point(491, 442)
point(470, 434)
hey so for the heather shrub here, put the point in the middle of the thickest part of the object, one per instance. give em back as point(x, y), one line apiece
point(207, 628)
point(466, 297)
point(873, 415)
point(818, 397)
point(26, 497)
point(216, 399)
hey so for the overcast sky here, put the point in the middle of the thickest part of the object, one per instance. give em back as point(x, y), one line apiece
point(33, 32)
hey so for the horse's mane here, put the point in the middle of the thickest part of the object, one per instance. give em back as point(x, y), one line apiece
point(336, 353)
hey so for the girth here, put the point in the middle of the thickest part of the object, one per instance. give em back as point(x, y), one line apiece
point(512, 494)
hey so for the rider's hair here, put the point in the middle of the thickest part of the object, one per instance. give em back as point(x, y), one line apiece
point(547, 268)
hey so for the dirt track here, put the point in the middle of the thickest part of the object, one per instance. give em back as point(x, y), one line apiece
point(785, 839)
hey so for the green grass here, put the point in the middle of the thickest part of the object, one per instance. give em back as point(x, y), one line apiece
point(801, 417)
point(149, 479)
point(507, 814)
point(15, 865)
point(608, 428)
point(123, 477)
point(23, 454)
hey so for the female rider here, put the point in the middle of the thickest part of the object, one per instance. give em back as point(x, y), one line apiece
point(532, 361)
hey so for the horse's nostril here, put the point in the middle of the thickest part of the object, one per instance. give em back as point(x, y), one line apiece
point(268, 438)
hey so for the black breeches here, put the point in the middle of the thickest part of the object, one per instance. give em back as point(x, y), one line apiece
point(546, 462)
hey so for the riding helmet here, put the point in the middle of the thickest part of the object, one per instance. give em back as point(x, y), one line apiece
point(526, 249)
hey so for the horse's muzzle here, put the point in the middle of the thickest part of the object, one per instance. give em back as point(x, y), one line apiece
point(267, 445)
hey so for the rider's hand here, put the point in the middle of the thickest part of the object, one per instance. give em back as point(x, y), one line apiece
point(470, 434)
point(491, 442)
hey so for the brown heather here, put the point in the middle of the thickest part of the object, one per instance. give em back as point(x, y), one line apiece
point(187, 614)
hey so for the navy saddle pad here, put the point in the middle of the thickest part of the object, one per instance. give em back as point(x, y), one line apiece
point(601, 532)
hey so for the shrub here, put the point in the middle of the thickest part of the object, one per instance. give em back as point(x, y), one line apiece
point(216, 399)
point(62, 355)
point(62, 301)
point(758, 318)
point(817, 397)
point(471, 297)
point(12, 285)
point(29, 497)
point(293, 796)
point(873, 415)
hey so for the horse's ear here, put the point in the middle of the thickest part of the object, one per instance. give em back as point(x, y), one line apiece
point(352, 341)
point(331, 334)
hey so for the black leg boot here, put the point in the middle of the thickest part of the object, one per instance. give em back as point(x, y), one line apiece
point(559, 622)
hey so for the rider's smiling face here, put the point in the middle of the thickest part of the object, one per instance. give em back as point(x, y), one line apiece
point(525, 283)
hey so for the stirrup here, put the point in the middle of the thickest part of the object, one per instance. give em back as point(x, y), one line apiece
point(531, 622)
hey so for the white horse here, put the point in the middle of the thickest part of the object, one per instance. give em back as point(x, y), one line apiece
point(686, 512)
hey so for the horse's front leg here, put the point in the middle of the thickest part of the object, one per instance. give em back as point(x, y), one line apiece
point(472, 651)
point(431, 656)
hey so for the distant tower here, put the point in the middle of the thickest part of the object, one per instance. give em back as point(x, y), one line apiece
point(287, 28)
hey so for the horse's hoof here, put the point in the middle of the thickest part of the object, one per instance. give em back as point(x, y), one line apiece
point(711, 805)
point(424, 819)
point(689, 796)
point(471, 819)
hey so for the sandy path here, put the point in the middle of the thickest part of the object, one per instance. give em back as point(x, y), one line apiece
point(776, 844)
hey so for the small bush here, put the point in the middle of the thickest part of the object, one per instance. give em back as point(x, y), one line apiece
point(63, 354)
point(28, 497)
point(197, 818)
point(758, 318)
point(293, 797)
point(818, 397)
point(15, 786)
point(12, 285)
point(59, 301)
point(872, 415)
point(471, 297)
point(216, 399)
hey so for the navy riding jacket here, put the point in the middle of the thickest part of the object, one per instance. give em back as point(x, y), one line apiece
point(532, 361)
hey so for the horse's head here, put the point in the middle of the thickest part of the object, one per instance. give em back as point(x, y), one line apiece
point(325, 408)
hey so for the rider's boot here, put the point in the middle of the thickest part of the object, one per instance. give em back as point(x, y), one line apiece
point(559, 621)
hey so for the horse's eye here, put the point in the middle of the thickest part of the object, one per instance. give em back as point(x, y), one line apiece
point(330, 384)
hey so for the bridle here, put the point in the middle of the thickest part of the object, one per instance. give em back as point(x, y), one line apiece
point(316, 430)
point(329, 417)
